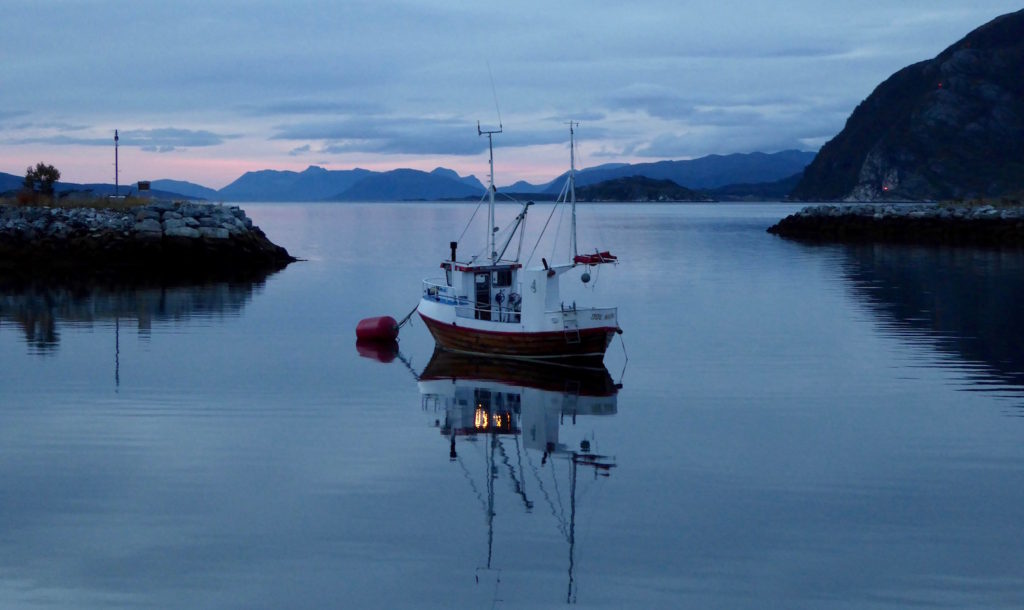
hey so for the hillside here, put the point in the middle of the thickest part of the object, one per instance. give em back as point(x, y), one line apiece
point(761, 191)
point(188, 189)
point(409, 184)
point(638, 189)
point(312, 184)
point(711, 171)
point(947, 128)
point(10, 182)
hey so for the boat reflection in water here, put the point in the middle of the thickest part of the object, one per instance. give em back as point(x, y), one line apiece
point(518, 408)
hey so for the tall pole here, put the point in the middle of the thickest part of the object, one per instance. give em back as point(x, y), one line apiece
point(491, 229)
point(117, 187)
point(572, 185)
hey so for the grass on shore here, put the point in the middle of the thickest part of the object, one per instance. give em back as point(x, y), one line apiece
point(100, 202)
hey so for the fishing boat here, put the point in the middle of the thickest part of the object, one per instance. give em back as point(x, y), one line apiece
point(490, 303)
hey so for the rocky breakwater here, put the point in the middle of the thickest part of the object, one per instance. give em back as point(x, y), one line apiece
point(183, 240)
point(984, 225)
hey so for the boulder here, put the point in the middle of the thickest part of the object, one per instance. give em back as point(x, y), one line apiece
point(181, 231)
point(148, 225)
point(173, 223)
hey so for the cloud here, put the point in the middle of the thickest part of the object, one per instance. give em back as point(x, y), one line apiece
point(6, 115)
point(158, 140)
point(405, 135)
point(64, 140)
point(172, 137)
point(300, 106)
point(49, 126)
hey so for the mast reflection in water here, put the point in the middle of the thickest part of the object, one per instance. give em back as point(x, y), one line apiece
point(520, 408)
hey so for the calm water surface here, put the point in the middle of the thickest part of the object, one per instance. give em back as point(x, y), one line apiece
point(798, 427)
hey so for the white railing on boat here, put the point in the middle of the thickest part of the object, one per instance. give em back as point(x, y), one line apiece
point(487, 313)
point(436, 289)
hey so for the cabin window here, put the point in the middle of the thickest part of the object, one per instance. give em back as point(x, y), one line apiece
point(448, 275)
point(501, 277)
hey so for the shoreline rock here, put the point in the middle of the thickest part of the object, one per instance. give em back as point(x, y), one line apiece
point(985, 225)
point(163, 239)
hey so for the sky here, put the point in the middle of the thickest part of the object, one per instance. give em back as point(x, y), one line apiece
point(205, 91)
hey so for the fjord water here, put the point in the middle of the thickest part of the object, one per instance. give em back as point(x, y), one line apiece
point(798, 426)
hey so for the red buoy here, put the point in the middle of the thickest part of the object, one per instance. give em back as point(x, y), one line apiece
point(381, 328)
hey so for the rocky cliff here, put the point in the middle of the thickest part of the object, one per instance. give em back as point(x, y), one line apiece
point(947, 128)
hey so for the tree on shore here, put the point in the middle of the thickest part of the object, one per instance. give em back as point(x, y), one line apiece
point(41, 178)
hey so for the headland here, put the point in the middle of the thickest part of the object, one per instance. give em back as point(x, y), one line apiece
point(162, 240)
point(984, 225)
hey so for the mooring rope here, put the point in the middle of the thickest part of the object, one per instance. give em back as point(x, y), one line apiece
point(408, 316)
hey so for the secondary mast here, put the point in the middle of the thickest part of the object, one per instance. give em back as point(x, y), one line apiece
point(491, 229)
point(572, 183)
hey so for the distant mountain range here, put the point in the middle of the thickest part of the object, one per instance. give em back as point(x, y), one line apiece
point(319, 184)
point(951, 127)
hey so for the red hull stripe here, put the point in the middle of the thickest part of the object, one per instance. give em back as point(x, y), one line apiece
point(592, 341)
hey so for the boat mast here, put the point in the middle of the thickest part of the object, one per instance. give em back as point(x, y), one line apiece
point(572, 184)
point(491, 229)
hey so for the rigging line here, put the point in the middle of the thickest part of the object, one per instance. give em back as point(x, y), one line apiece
point(622, 343)
point(519, 460)
point(494, 90)
point(519, 248)
point(517, 485)
point(563, 522)
point(540, 486)
point(558, 230)
point(545, 228)
point(563, 197)
point(480, 203)
point(472, 484)
point(558, 202)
